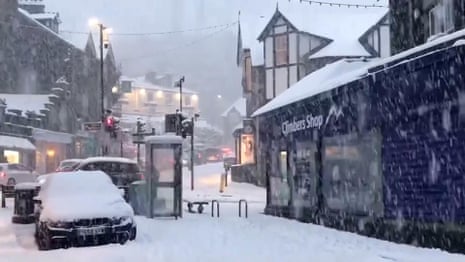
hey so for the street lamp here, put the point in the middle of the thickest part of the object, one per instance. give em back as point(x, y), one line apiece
point(94, 22)
point(219, 96)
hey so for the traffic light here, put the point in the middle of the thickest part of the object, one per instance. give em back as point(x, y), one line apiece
point(111, 125)
point(187, 128)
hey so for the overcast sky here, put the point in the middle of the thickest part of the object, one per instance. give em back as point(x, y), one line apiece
point(207, 58)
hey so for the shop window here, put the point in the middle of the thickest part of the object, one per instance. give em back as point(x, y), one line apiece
point(281, 50)
point(11, 156)
point(351, 176)
point(279, 186)
point(247, 149)
point(150, 96)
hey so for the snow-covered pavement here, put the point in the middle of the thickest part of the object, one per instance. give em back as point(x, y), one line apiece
point(199, 237)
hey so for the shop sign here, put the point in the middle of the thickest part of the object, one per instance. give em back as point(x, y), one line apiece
point(309, 122)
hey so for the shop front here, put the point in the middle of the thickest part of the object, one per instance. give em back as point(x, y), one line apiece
point(52, 148)
point(384, 147)
point(17, 150)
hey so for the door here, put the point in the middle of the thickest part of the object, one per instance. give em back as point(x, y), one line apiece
point(165, 180)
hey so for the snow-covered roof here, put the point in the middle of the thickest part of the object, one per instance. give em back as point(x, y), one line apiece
point(45, 28)
point(12, 142)
point(44, 16)
point(26, 102)
point(140, 82)
point(107, 159)
point(52, 136)
point(344, 71)
point(239, 105)
point(341, 24)
point(328, 77)
point(66, 197)
point(164, 139)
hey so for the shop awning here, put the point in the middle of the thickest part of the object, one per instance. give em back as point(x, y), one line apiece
point(12, 142)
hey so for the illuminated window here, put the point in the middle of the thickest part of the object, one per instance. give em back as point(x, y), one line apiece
point(11, 156)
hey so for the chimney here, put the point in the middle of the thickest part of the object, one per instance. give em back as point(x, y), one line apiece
point(8, 8)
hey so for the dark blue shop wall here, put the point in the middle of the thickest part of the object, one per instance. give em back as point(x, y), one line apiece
point(420, 106)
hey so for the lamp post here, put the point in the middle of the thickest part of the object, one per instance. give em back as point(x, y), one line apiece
point(179, 84)
point(103, 44)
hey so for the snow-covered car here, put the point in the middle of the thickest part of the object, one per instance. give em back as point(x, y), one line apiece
point(82, 208)
point(122, 171)
point(11, 174)
point(68, 165)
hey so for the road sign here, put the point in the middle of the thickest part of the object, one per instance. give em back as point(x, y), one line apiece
point(92, 126)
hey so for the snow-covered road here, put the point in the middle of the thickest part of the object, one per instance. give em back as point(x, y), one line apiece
point(228, 238)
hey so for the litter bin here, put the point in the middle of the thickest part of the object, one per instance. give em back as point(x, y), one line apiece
point(137, 194)
point(24, 203)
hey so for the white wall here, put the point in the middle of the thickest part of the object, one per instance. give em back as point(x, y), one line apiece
point(293, 48)
point(385, 41)
point(269, 84)
point(281, 80)
point(292, 75)
point(269, 52)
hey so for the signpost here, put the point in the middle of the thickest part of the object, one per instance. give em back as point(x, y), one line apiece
point(92, 126)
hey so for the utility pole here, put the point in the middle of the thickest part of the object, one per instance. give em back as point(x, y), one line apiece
point(179, 84)
point(138, 131)
point(102, 88)
point(192, 155)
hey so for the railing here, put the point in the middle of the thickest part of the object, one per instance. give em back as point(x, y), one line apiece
point(217, 208)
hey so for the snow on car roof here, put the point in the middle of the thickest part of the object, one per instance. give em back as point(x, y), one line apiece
point(164, 139)
point(108, 159)
point(75, 195)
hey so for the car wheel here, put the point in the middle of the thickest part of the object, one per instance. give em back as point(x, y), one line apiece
point(11, 182)
point(132, 233)
point(43, 240)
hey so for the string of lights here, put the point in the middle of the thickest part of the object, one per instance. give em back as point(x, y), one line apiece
point(157, 33)
point(333, 4)
point(44, 28)
point(182, 46)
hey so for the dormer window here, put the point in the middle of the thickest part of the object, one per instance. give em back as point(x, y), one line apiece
point(281, 50)
point(441, 17)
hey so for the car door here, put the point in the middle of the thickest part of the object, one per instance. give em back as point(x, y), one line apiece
point(14, 173)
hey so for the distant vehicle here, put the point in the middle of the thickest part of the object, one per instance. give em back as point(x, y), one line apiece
point(11, 174)
point(213, 154)
point(68, 165)
point(122, 171)
point(82, 208)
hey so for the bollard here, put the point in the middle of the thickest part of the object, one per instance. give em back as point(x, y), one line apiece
point(222, 183)
point(3, 197)
point(217, 208)
point(246, 208)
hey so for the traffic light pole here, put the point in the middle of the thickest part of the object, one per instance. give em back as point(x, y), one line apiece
point(192, 155)
point(138, 131)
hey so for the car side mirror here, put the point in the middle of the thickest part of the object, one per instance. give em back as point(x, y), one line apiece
point(121, 192)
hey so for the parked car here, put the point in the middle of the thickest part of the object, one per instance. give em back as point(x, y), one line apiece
point(68, 165)
point(11, 174)
point(82, 208)
point(122, 171)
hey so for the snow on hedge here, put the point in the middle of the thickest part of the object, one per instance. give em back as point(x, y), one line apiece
point(69, 196)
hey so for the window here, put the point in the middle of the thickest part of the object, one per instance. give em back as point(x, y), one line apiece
point(441, 17)
point(280, 43)
point(187, 100)
point(150, 96)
